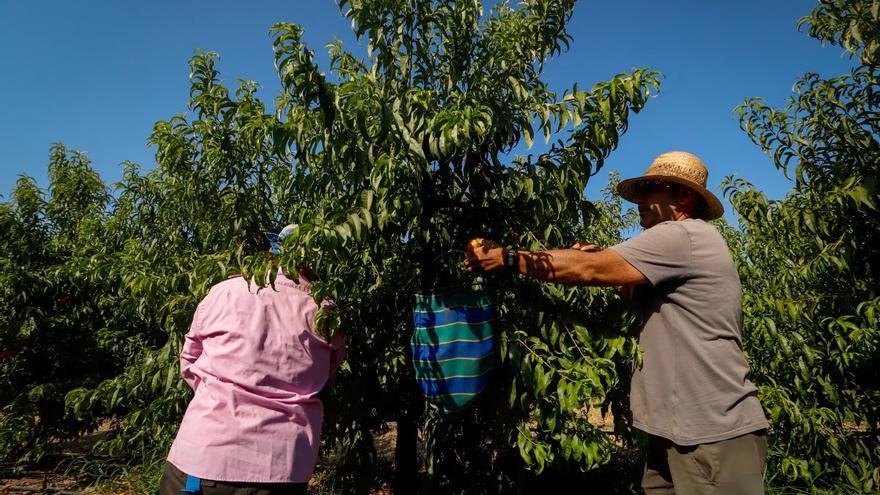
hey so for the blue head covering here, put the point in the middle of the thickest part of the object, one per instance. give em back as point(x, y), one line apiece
point(276, 240)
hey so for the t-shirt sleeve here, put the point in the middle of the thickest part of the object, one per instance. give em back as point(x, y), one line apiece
point(662, 253)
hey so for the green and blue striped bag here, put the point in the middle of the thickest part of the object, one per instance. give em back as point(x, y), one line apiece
point(453, 346)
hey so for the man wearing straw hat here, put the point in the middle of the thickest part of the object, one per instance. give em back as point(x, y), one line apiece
point(691, 395)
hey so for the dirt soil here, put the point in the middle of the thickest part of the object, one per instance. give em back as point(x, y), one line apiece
point(35, 479)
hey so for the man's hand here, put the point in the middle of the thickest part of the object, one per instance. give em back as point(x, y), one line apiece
point(586, 247)
point(487, 257)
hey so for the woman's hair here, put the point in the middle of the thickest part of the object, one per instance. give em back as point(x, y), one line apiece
point(254, 243)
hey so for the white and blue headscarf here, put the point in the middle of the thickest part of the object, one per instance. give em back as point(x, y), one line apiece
point(276, 240)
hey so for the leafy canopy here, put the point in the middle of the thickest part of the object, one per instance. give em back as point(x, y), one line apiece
point(809, 263)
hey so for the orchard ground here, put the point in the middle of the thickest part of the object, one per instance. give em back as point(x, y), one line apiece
point(56, 473)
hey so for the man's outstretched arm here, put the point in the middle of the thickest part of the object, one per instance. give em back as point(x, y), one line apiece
point(563, 266)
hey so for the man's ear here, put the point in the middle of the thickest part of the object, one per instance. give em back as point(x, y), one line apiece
point(694, 203)
point(687, 201)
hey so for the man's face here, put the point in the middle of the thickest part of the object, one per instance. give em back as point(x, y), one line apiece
point(657, 206)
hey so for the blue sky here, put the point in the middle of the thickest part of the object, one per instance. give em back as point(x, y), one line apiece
point(96, 75)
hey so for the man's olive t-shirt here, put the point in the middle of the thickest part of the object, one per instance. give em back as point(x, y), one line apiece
point(692, 386)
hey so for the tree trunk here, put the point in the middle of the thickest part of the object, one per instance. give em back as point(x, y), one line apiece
point(406, 455)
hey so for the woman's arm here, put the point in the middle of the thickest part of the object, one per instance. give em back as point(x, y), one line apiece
point(192, 349)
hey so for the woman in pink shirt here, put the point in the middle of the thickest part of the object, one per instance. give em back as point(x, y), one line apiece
point(256, 364)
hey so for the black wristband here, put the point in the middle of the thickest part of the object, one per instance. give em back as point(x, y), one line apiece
point(510, 258)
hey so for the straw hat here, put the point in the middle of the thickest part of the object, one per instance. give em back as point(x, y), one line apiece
point(681, 168)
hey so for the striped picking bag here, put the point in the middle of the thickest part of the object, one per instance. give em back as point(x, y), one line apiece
point(453, 346)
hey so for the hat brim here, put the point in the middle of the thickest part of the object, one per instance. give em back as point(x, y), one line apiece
point(629, 190)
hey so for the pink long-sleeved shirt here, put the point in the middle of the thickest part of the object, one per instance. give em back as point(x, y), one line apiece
point(256, 365)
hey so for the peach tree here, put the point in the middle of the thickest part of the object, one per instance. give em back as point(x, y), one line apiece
point(809, 264)
point(401, 157)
